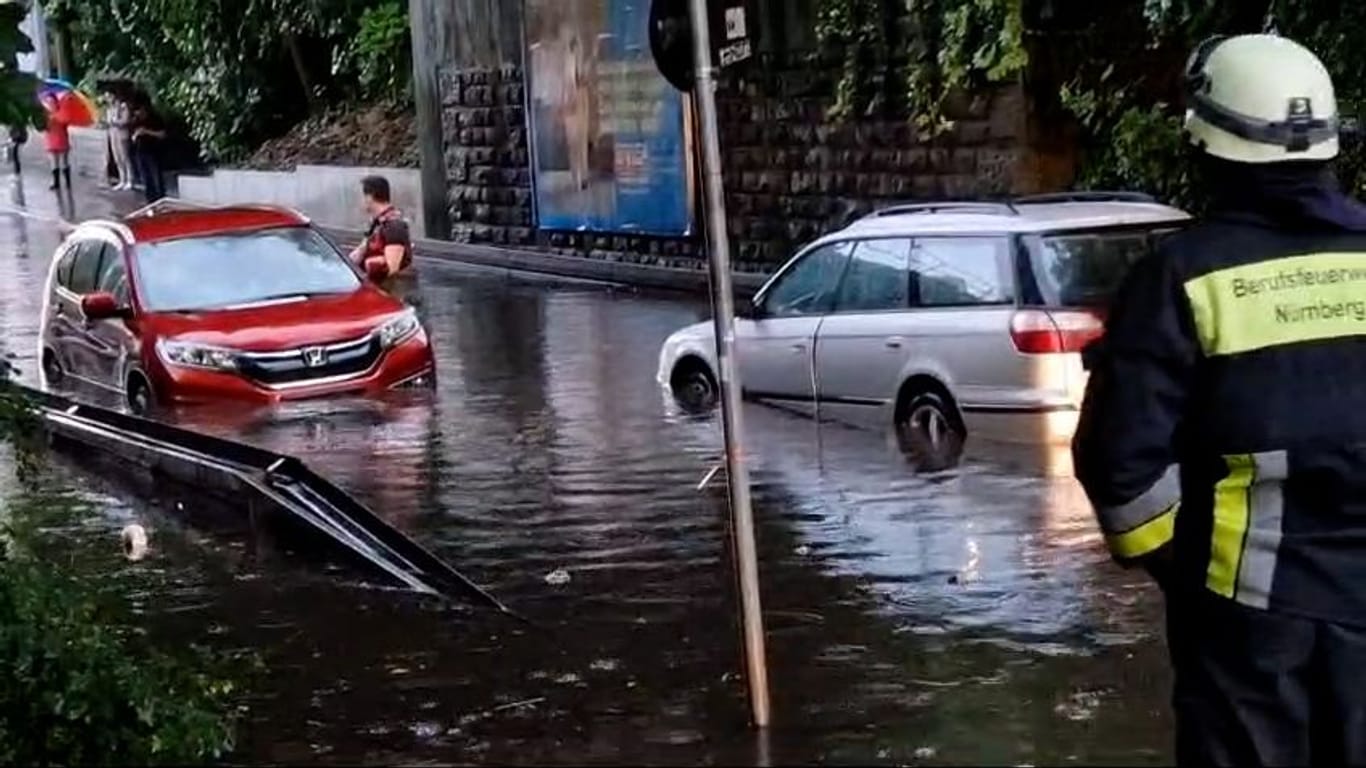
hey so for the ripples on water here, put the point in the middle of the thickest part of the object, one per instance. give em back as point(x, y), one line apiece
point(965, 617)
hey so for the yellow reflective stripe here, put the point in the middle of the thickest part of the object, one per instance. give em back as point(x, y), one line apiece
point(1146, 538)
point(1231, 512)
point(1282, 301)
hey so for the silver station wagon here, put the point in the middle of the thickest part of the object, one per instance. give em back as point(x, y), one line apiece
point(936, 321)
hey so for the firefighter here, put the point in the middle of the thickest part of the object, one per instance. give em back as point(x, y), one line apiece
point(1223, 436)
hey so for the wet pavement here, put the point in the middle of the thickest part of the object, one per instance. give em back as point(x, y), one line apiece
point(970, 616)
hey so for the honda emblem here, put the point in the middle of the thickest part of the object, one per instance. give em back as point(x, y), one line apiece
point(315, 357)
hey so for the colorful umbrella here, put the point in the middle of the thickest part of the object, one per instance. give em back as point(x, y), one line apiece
point(75, 107)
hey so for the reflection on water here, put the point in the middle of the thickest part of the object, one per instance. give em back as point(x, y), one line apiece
point(967, 616)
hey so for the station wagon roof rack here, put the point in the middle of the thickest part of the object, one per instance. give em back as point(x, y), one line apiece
point(964, 206)
point(1085, 196)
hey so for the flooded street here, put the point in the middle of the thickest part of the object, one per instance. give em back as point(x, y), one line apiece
point(971, 616)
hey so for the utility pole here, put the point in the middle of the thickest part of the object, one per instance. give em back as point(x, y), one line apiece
point(723, 309)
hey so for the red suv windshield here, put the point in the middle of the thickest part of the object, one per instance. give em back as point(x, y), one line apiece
point(240, 269)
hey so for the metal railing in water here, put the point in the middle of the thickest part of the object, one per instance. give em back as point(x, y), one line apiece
point(253, 474)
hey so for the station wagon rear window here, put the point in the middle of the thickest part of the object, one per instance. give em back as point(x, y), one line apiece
point(1085, 270)
point(239, 270)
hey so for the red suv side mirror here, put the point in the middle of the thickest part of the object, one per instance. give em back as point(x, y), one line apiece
point(101, 306)
point(376, 268)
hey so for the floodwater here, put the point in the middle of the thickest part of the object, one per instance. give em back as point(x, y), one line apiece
point(970, 616)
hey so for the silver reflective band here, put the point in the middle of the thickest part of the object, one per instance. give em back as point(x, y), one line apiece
point(1297, 133)
point(1266, 513)
point(1159, 498)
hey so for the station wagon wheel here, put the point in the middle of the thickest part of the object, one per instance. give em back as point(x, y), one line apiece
point(928, 432)
point(693, 386)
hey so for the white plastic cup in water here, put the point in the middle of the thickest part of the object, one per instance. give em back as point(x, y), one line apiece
point(134, 542)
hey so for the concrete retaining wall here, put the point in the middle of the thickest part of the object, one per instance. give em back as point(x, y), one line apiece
point(327, 194)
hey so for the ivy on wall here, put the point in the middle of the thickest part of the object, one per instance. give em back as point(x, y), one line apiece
point(930, 48)
point(1122, 83)
point(1111, 68)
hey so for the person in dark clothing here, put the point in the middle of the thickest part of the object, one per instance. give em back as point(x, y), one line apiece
point(148, 135)
point(18, 137)
point(1222, 440)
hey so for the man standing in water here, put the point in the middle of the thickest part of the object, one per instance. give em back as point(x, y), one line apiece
point(388, 237)
point(1232, 379)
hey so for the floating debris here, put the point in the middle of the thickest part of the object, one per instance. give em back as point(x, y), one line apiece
point(1080, 706)
point(557, 578)
point(525, 703)
point(925, 753)
point(134, 542)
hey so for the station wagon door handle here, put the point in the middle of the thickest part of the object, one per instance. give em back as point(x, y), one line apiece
point(798, 348)
point(893, 343)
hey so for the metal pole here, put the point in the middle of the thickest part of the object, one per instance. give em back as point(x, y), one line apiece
point(723, 305)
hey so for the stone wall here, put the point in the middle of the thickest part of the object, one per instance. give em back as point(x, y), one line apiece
point(792, 173)
point(488, 169)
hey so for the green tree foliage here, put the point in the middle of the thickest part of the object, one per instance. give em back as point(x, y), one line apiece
point(80, 685)
point(381, 53)
point(1124, 86)
point(1113, 68)
point(926, 50)
point(240, 71)
point(18, 90)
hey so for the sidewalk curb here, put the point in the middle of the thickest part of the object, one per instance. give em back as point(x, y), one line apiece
point(513, 260)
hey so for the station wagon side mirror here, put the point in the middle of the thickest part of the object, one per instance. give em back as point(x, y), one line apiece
point(376, 269)
point(102, 306)
point(750, 310)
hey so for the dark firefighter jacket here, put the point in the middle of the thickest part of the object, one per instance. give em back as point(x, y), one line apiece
point(1227, 402)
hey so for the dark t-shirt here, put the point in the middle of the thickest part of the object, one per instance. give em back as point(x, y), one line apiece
point(392, 232)
point(144, 117)
point(388, 229)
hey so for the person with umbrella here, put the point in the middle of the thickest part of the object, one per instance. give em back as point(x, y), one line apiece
point(57, 140)
point(65, 107)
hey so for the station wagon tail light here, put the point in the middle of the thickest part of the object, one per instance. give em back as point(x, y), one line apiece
point(1037, 332)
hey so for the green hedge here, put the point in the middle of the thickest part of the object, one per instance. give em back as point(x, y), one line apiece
point(81, 684)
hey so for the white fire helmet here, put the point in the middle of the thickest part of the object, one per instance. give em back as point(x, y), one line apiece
point(1261, 99)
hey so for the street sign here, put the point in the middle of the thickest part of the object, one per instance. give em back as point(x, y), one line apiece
point(731, 26)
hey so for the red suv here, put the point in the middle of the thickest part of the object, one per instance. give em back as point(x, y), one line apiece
point(176, 305)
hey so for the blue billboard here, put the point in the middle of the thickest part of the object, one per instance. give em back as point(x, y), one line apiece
point(610, 148)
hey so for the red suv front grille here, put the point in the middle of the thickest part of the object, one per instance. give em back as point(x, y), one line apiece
point(307, 364)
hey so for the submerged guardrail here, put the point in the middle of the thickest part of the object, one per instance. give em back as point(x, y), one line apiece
point(234, 469)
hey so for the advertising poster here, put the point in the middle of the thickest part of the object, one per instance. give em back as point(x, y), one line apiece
point(610, 148)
